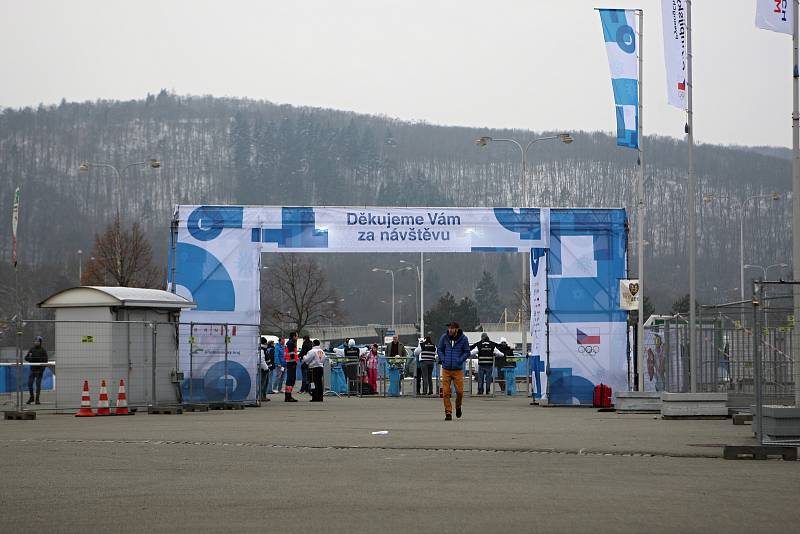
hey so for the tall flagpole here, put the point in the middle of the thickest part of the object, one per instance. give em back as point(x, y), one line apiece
point(796, 197)
point(691, 205)
point(640, 215)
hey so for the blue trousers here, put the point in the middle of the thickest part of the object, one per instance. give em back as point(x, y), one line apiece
point(484, 379)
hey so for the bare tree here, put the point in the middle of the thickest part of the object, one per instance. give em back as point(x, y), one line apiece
point(121, 257)
point(298, 294)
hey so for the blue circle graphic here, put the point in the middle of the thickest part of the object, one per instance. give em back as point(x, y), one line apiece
point(205, 223)
point(237, 382)
point(626, 39)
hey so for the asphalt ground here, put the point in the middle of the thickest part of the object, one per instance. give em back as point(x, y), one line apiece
point(505, 466)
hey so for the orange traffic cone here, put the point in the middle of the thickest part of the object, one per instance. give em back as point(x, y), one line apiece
point(122, 400)
point(86, 402)
point(102, 403)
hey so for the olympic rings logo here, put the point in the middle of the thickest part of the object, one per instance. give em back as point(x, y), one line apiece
point(588, 349)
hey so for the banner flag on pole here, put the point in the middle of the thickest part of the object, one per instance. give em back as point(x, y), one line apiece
point(14, 223)
point(775, 15)
point(622, 48)
point(673, 18)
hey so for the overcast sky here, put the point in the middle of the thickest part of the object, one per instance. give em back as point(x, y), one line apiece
point(535, 64)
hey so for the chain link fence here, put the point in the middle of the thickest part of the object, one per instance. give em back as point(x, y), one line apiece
point(777, 395)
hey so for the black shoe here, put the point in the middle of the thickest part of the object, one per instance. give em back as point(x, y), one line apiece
point(265, 399)
point(458, 411)
point(291, 399)
point(448, 417)
point(30, 401)
point(37, 401)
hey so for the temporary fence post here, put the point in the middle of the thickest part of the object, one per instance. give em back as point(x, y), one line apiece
point(528, 376)
point(757, 361)
point(20, 405)
point(225, 378)
point(667, 359)
point(154, 395)
point(191, 362)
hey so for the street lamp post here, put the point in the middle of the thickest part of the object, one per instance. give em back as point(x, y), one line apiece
point(376, 270)
point(80, 266)
point(87, 165)
point(740, 205)
point(421, 279)
point(565, 138)
point(765, 274)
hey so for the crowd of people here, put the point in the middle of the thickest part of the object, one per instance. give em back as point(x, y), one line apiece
point(279, 361)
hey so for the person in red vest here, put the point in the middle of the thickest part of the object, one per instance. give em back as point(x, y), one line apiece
point(292, 357)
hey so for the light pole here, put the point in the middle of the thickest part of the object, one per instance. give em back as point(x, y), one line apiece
point(80, 266)
point(764, 272)
point(376, 270)
point(421, 279)
point(87, 165)
point(740, 205)
point(565, 138)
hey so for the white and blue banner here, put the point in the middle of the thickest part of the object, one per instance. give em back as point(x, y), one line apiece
point(622, 48)
point(577, 258)
point(587, 328)
point(673, 21)
point(775, 15)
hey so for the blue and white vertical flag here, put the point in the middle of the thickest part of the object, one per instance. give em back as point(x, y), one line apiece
point(775, 15)
point(622, 48)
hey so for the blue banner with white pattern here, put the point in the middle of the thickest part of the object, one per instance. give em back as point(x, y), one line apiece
point(622, 47)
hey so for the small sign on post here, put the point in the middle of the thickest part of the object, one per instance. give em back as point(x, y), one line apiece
point(629, 294)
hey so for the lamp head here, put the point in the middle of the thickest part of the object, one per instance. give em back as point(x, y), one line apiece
point(483, 140)
point(83, 167)
point(565, 138)
point(776, 195)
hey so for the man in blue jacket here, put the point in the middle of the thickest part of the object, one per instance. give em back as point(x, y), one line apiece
point(453, 350)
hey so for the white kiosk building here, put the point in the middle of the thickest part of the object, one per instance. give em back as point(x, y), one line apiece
point(113, 333)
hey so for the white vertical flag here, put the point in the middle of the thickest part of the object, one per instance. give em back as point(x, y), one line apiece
point(673, 19)
point(775, 15)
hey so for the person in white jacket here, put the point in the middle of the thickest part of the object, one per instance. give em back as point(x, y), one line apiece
point(315, 359)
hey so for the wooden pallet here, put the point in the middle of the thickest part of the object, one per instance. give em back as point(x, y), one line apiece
point(693, 417)
point(195, 407)
point(14, 415)
point(165, 410)
point(742, 418)
point(226, 406)
point(758, 452)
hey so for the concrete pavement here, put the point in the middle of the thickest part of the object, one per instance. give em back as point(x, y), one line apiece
point(504, 466)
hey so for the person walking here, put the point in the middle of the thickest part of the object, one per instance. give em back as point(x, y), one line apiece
point(315, 359)
point(304, 348)
point(280, 367)
point(37, 355)
point(291, 367)
point(426, 353)
point(486, 350)
point(453, 350)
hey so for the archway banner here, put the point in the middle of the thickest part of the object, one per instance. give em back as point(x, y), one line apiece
point(578, 258)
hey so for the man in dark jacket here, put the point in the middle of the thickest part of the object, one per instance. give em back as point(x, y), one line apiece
point(453, 349)
point(37, 354)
